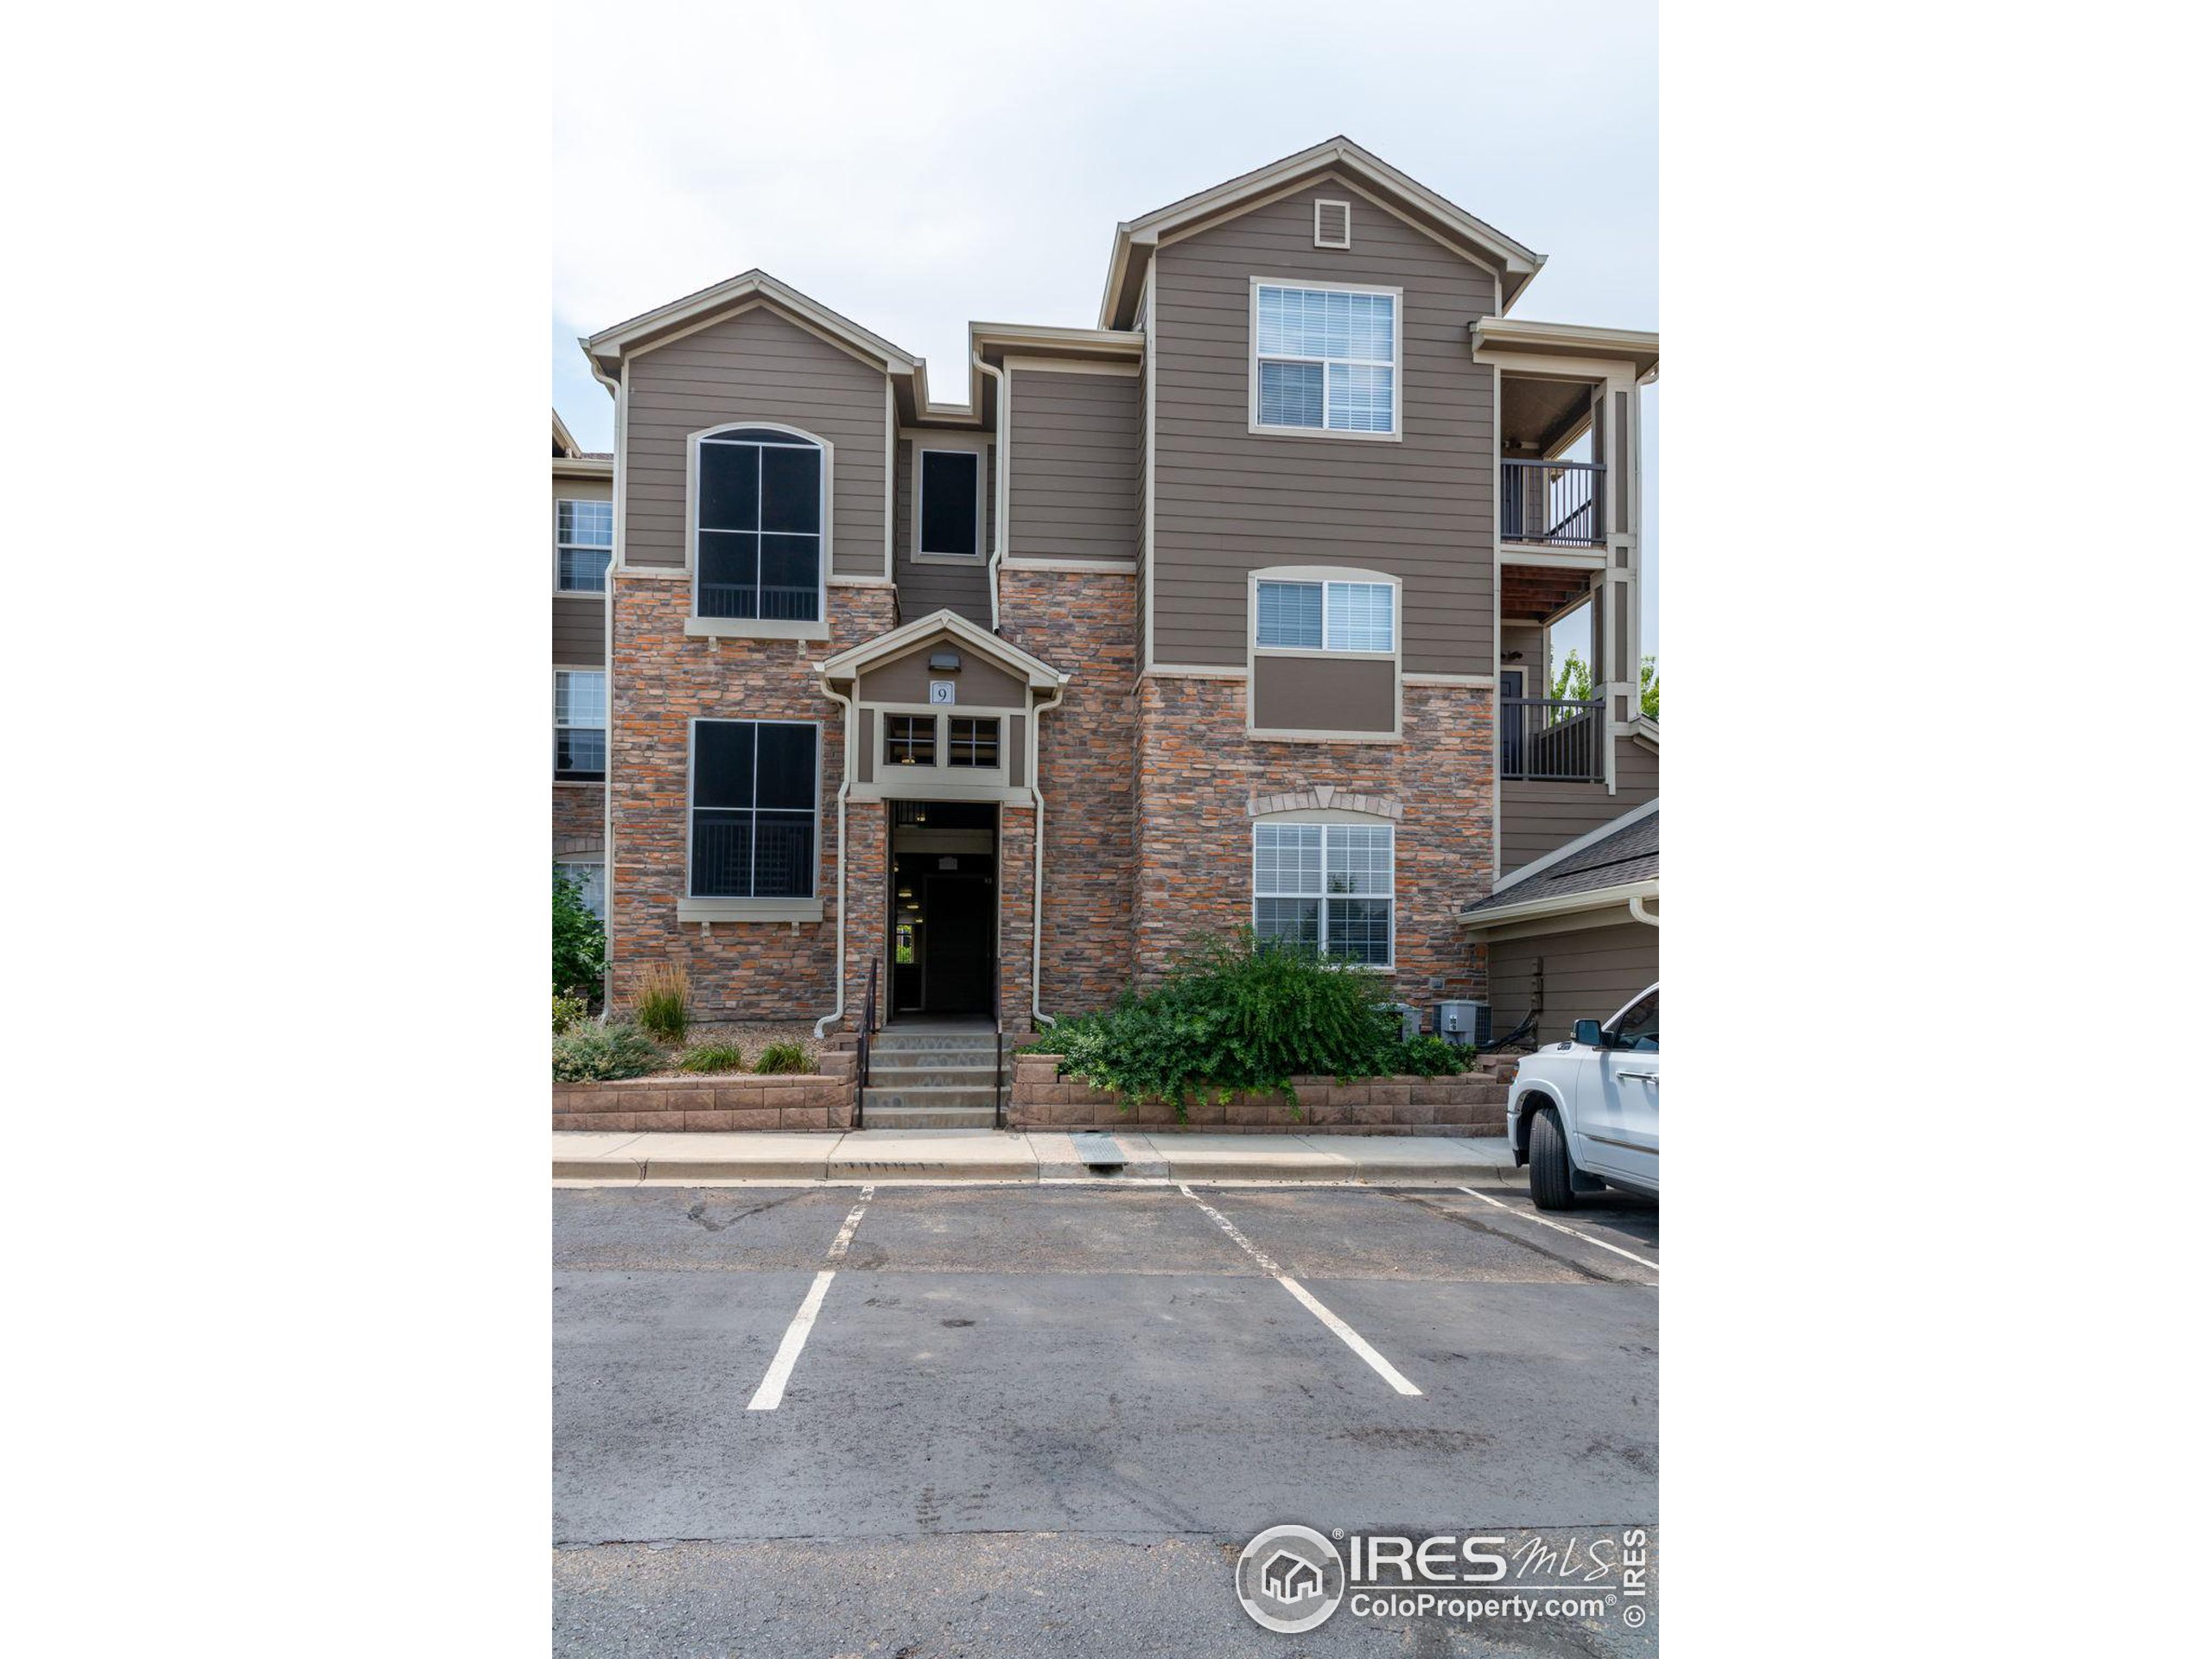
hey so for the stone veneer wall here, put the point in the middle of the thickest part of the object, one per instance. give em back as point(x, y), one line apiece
point(1084, 622)
point(662, 680)
point(579, 817)
point(1472, 1103)
point(1200, 781)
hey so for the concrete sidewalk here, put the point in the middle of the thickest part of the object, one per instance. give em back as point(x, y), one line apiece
point(881, 1155)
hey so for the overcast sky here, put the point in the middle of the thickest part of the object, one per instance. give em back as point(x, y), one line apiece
point(916, 167)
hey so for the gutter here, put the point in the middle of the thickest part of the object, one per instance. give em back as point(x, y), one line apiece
point(1038, 1019)
point(844, 857)
point(1630, 893)
point(998, 487)
point(1636, 909)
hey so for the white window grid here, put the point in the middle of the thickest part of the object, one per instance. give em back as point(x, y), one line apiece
point(1331, 886)
point(1351, 616)
point(583, 542)
point(1350, 336)
point(580, 704)
point(591, 882)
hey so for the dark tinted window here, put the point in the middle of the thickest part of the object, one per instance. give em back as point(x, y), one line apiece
point(1638, 1025)
point(759, 529)
point(753, 809)
point(949, 496)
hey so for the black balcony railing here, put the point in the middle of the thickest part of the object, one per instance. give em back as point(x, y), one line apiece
point(1561, 503)
point(1554, 738)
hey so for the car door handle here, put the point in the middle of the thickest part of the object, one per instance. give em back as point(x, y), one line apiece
point(1649, 1077)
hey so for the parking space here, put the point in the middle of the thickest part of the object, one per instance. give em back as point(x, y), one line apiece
point(1104, 1360)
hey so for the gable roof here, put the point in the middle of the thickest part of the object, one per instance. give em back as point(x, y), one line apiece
point(563, 444)
point(846, 664)
point(642, 332)
point(1134, 241)
point(1604, 867)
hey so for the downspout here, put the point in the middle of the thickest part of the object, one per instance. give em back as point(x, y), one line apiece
point(1038, 1018)
point(844, 858)
point(998, 487)
point(1636, 909)
point(607, 634)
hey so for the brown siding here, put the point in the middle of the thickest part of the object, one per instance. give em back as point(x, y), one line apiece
point(1074, 481)
point(579, 630)
point(1589, 974)
point(1535, 817)
point(963, 590)
point(906, 679)
point(756, 366)
point(1228, 500)
point(1312, 694)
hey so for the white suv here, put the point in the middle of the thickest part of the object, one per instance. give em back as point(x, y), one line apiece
point(1584, 1114)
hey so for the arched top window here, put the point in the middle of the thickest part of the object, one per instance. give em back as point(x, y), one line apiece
point(760, 516)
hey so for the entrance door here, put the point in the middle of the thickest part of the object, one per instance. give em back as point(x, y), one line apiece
point(957, 955)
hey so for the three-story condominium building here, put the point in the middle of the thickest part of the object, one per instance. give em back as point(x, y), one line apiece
point(1229, 608)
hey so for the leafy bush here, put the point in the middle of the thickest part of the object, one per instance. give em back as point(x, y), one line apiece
point(567, 1011)
point(711, 1057)
point(579, 942)
point(662, 999)
point(782, 1057)
point(1235, 1014)
point(595, 1053)
point(1426, 1056)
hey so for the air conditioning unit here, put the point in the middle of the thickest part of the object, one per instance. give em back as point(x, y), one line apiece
point(1462, 1023)
point(1408, 1019)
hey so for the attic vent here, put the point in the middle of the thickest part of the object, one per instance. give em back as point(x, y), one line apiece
point(1331, 224)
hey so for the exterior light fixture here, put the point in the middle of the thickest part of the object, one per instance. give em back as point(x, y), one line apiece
point(945, 662)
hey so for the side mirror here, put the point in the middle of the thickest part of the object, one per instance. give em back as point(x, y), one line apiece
point(1586, 1033)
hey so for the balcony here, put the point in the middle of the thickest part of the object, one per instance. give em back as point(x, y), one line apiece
point(1552, 503)
point(1558, 740)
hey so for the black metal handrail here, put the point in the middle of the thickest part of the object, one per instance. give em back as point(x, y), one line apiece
point(867, 1030)
point(1560, 502)
point(997, 1068)
point(1559, 739)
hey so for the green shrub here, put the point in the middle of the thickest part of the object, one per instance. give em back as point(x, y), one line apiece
point(782, 1057)
point(579, 942)
point(662, 997)
point(1426, 1056)
point(1236, 1015)
point(711, 1057)
point(567, 1011)
point(595, 1053)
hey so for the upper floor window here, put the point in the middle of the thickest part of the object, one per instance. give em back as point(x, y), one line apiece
point(579, 725)
point(951, 514)
point(760, 501)
point(1327, 887)
point(1327, 616)
point(753, 807)
point(583, 540)
point(1325, 360)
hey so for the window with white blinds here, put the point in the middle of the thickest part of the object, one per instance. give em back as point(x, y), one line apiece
point(1327, 887)
point(1325, 360)
point(1358, 616)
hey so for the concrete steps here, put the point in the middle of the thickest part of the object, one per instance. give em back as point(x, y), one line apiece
point(892, 1119)
point(931, 1078)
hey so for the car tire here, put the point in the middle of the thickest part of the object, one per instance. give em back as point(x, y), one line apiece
point(1551, 1173)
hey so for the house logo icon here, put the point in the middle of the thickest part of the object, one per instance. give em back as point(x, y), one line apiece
point(1290, 1579)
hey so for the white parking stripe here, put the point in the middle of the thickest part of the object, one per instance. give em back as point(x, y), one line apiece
point(770, 1394)
point(1351, 1339)
point(1546, 1221)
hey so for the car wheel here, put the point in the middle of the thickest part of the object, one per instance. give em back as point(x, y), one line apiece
point(1551, 1174)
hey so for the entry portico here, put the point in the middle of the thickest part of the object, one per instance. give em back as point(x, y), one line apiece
point(941, 745)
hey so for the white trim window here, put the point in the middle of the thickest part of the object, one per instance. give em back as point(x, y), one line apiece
point(579, 725)
point(760, 507)
point(949, 523)
point(1349, 616)
point(755, 808)
point(1327, 887)
point(583, 542)
point(590, 877)
point(1324, 359)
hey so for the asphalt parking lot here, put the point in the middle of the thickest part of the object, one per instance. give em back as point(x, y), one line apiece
point(977, 1420)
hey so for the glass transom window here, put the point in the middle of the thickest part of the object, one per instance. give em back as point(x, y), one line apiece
point(583, 537)
point(971, 740)
point(1326, 888)
point(1327, 359)
point(910, 740)
point(1327, 616)
point(753, 807)
point(760, 506)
